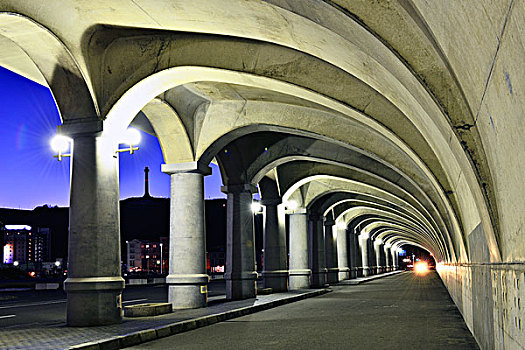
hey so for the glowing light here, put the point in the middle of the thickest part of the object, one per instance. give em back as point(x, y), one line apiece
point(57, 263)
point(60, 143)
point(256, 207)
point(291, 205)
point(421, 267)
point(15, 263)
point(131, 137)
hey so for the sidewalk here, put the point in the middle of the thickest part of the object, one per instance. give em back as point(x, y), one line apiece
point(133, 331)
point(360, 280)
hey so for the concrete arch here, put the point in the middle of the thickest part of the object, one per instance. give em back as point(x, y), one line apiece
point(53, 59)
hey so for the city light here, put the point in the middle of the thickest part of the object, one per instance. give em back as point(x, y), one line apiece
point(16, 263)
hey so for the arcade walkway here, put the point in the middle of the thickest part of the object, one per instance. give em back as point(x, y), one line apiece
point(401, 311)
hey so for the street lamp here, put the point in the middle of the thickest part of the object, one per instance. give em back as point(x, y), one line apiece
point(131, 138)
point(161, 261)
point(61, 144)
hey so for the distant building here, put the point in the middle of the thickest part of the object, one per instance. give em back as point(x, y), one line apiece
point(26, 245)
point(147, 256)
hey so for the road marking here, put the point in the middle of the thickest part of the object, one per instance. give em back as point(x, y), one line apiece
point(34, 304)
point(132, 301)
point(8, 316)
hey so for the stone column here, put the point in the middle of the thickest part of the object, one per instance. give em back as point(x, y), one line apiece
point(330, 245)
point(379, 251)
point(388, 257)
point(299, 255)
point(318, 258)
point(395, 259)
point(372, 262)
point(342, 254)
point(240, 272)
point(187, 280)
point(94, 284)
point(363, 245)
point(275, 271)
point(355, 255)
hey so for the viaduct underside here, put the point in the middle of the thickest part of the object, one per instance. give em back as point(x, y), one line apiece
point(370, 124)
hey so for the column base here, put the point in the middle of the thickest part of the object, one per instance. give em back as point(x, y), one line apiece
point(366, 271)
point(94, 301)
point(241, 286)
point(277, 280)
point(354, 272)
point(187, 291)
point(332, 275)
point(319, 278)
point(344, 274)
point(300, 279)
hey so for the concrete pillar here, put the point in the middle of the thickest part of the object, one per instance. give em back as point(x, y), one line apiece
point(240, 274)
point(330, 244)
point(379, 253)
point(388, 257)
point(372, 263)
point(94, 284)
point(355, 255)
point(318, 258)
point(342, 254)
point(299, 255)
point(395, 257)
point(187, 280)
point(363, 245)
point(275, 271)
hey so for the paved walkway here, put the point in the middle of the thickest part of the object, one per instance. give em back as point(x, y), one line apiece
point(405, 311)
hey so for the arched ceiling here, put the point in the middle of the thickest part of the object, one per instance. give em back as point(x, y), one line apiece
point(375, 95)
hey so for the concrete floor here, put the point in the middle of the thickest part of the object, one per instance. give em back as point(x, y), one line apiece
point(405, 311)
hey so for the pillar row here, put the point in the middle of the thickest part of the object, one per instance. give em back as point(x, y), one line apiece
point(299, 255)
point(240, 274)
point(275, 271)
point(187, 280)
point(94, 284)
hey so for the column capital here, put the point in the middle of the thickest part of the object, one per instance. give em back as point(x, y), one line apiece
point(251, 188)
point(188, 167)
point(315, 217)
point(329, 223)
point(79, 127)
point(297, 211)
point(271, 202)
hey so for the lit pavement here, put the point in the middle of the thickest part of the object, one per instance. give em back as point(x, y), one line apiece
point(405, 311)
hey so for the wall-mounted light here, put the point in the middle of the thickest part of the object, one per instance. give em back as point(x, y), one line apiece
point(291, 205)
point(131, 138)
point(256, 207)
point(61, 144)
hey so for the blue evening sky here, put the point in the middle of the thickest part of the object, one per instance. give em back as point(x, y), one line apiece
point(30, 176)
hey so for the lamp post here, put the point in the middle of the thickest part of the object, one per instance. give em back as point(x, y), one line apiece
point(161, 261)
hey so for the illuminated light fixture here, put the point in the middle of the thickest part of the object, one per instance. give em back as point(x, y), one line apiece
point(341, 225)
point(131, 138)
point(16, 263)
point(61, 144)
point(256, 207)
point(291, 205)
point(57, 263)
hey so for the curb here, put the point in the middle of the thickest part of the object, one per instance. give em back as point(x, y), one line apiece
point(143, 336)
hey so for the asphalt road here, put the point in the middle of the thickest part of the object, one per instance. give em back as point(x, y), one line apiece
point(26, 308)
point(405, 311)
